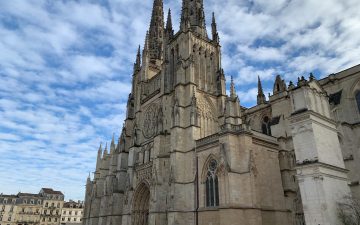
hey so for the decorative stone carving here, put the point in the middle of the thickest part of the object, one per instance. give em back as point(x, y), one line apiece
point(176, 115)
point(150, 121)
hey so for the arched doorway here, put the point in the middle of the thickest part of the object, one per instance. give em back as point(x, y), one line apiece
point(140, 213)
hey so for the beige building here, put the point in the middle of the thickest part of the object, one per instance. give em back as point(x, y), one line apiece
point(29, 209)
point(72, 213)
point(20, 209)
point(52, 205)
point(189, 154)
point(8, 208)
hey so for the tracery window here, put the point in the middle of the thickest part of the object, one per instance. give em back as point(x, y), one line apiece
point(358, 100)
point(212, 185)
point(265, 127)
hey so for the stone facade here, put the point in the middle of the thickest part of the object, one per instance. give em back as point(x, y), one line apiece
point(190, 154)
point(20, 209)
point(72, 213)
point(52, 205)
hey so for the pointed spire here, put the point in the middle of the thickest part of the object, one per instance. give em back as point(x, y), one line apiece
point(260, 97)
point(232, 89)
point(137, 64)
point(88, 178)
point(105, 151)
point(156, 30)
point(112, 145)
point(169, 27)
point(98, 160)
point(100, 151)
point(215, 35)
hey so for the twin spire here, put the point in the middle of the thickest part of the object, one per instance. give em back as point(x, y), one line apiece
point(192, 17)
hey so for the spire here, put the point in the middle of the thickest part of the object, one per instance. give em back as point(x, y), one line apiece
point(215, 35)
point(112, 145)
point(98, 160)
point(260, 97)
point(105, 151)
point(100, 151)
point(89, 178)
point(137, 64)
point(156, 31)
point(232, 89)
point(169, 27)
point(193, 15)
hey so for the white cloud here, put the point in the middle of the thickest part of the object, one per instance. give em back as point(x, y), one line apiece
point(65, 70)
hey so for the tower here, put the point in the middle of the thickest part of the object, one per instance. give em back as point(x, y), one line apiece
point(320, 167)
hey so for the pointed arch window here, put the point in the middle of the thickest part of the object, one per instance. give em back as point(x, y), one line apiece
point(265, 127)
point(357, 96)
point(212, 185)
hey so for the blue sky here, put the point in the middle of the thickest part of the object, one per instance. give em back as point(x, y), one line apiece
point(65, 71)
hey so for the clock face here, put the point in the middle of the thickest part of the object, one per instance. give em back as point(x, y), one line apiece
point(212, 165)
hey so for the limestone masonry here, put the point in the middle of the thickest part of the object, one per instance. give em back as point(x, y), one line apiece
point(189, 154)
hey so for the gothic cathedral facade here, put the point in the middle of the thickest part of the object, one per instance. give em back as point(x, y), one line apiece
point(189, 154)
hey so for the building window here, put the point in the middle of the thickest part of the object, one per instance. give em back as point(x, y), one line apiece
point(358, 100)
point(265, 127)
point(9, 219)
point(46, 204)
point(212, 186)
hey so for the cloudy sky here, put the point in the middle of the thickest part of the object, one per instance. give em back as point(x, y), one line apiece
point(65, 71)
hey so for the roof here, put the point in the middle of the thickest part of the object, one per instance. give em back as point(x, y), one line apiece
point(51, 191)
point(27, 195)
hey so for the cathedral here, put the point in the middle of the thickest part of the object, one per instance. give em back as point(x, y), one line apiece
point(189, 154)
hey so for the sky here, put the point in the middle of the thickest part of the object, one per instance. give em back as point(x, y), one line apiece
point(65, 71)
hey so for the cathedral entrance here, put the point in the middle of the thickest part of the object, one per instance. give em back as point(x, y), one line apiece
point(140, 213)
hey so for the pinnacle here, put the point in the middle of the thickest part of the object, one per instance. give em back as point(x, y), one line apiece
point(169, 21)
point(260, 97)
point(232, 88)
